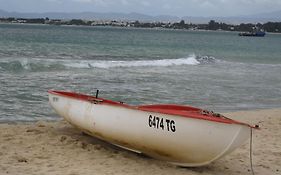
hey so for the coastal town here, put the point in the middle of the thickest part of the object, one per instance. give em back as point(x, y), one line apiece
point(274, 27)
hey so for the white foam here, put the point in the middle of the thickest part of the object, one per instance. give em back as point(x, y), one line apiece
point(191, 60)
point(25, 63)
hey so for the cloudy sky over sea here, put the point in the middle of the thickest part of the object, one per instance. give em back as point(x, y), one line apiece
point(151, 7)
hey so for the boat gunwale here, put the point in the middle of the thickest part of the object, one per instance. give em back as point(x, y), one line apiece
point(194, 113)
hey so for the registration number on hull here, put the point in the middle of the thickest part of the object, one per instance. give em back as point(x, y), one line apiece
point(161, 123)
point(55, 99)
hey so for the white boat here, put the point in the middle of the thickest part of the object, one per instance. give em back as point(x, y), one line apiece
point(181, 135)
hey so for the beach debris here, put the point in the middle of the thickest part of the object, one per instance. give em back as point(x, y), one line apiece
point(21, 159)
point(63, 138)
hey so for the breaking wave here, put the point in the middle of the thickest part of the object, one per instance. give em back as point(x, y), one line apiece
point(30, 65)
point(52, 64)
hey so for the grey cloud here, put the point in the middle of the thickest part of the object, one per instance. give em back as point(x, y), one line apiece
point(151, 7)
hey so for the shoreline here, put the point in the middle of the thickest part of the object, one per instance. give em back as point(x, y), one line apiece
point(140, 28)
point(55, 147)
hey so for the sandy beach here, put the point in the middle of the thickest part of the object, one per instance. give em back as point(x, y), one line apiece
point(58, 148)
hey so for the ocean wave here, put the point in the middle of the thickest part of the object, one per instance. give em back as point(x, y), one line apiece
point(139, 63)
point(29, 65)
point(53, 64)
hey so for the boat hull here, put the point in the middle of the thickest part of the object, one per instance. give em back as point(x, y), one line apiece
point(253, 34)
point(178, 140)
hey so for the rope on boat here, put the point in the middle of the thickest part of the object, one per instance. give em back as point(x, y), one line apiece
point(251, 152)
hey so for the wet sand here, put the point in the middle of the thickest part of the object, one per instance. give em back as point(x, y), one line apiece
point(58, 148)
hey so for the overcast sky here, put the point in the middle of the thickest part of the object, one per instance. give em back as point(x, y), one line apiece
point(151, 7)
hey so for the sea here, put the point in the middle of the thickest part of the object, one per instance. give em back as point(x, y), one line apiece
point(213, 70)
